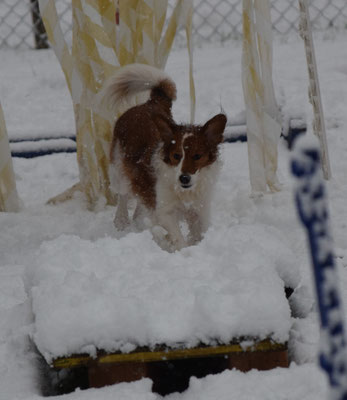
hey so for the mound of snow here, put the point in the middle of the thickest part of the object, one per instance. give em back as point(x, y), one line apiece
point(118, 294)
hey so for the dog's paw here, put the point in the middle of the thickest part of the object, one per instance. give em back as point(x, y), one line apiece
point(177, 245)
point(165, 241)
point(121, 223)
point(159, 236)
point(194, 240)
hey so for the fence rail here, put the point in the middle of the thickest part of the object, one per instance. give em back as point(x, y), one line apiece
point(214, 20)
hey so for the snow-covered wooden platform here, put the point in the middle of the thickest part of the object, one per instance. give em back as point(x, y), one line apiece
point(117, 295)
point(106, 300)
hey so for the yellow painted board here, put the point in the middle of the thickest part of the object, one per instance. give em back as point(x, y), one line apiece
point(169, 354)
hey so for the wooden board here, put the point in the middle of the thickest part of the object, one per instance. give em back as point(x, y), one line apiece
point(171, 369)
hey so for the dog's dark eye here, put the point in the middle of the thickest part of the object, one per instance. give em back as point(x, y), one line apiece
point(196, 156)
point(177, 156)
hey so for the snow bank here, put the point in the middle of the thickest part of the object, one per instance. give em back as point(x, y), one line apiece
point(304, 382)
point(297, 382)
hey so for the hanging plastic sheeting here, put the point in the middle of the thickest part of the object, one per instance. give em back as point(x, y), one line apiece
point(314, 89)
point(9, 200)
point(108, 34)
point(262, 113)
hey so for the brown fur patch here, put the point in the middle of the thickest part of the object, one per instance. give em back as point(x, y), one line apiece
point(165, 88)
point(198, 145)
point(138, 137)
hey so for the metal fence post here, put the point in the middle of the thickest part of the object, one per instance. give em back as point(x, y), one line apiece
point(39, 30)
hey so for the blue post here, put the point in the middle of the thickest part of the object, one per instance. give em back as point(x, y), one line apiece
point(311, 201)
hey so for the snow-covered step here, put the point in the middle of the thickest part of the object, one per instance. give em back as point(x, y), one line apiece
point(117, 295)
point(110, 296)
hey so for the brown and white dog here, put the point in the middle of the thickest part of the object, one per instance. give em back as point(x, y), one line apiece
point(169, 169)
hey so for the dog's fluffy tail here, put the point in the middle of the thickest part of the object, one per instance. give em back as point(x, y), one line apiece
point(137, 78)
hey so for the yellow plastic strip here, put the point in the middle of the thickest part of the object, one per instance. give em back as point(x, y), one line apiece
point(189, 25)
point(305, 30)
point(9, 200)
point(56, 37)
point(262, 113)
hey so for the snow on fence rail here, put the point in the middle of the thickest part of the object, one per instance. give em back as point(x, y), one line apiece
point(214, 20)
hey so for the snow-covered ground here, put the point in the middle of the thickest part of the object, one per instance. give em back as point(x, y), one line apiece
point(59, 261)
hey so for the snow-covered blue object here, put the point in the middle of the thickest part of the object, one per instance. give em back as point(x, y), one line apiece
point(41, 146)
point(311, 200)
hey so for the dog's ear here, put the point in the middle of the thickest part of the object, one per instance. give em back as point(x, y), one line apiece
point(214, 129)
point(165, 128)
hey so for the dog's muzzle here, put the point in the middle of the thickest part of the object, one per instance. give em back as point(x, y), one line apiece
point(185, 180)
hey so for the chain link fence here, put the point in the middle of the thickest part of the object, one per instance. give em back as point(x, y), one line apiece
point(214, 20)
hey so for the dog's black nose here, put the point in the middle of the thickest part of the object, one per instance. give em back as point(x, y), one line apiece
point(185, 180)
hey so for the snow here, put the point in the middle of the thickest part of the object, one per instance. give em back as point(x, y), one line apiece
point(140, 295)
point(64, 269)
point(304, 382)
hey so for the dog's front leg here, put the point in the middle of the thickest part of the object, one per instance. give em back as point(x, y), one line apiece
point(195, 225)
point(141, 216)
point(121, 219)
point(169, 221)
point(198, 219)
